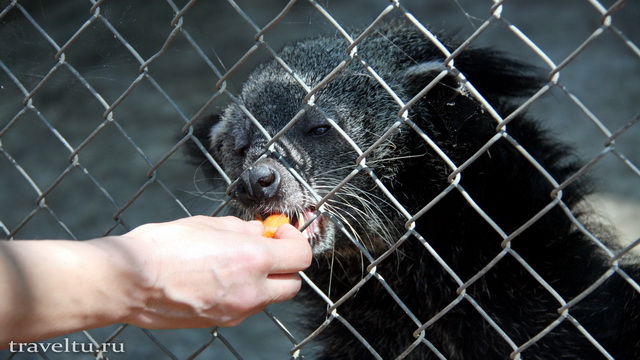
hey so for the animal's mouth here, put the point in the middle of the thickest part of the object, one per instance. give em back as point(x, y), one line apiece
point(308, 221)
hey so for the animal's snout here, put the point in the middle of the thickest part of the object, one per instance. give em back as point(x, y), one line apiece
point(258, 183)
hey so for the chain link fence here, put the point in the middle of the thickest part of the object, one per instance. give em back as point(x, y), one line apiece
point(98, 100)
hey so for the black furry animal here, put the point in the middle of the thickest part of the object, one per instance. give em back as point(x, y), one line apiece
point(399, 170)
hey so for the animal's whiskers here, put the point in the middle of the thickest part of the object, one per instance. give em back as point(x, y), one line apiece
point(369, 212)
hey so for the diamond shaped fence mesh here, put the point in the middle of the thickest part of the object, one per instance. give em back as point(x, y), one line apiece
point(98, 101)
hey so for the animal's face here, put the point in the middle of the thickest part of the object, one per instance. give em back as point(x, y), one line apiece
point(317, 145)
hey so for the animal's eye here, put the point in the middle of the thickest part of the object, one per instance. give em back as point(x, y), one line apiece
point(319, 130)
point(242, 145)
point(242, 151)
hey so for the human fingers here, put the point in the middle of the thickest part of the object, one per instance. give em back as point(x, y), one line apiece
point(282, 287)
point(290, 251)
point(288, 231)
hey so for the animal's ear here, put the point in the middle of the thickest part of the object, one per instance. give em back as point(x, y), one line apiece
point(202, 131)
point(214, 130)
point(418, 77)
point(497, 76)
point(447, 105)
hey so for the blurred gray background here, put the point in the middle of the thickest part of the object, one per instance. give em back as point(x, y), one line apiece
point(111, 174)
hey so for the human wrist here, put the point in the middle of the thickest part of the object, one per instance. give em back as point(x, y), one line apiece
point(131, 285)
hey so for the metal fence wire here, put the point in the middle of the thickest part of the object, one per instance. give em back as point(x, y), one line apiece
point(98, 100)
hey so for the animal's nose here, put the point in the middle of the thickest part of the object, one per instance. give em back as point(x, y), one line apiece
point(258, 183)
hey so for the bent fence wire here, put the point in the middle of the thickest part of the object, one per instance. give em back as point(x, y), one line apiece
point(98, 99)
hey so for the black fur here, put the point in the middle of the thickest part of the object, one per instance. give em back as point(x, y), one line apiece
point(501, 181)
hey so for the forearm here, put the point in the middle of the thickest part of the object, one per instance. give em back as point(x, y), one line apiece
point(193, 272)
point(54, 287)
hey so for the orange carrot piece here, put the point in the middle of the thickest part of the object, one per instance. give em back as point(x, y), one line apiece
point(272, 223)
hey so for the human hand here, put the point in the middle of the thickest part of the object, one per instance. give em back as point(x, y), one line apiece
point(203, 271)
